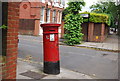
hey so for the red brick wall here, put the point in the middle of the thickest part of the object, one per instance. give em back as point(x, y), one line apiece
point(25, 12)
point(32, 11)
point(97, 32)
point(9, 69)
point(90, 31)
point(102, 32)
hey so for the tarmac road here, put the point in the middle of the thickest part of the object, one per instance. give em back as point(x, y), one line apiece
point(98, 64)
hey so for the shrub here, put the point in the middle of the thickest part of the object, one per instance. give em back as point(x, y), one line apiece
point(98, 18)
point(73, 29)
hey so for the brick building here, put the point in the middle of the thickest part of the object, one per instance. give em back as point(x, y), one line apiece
point(32, 14)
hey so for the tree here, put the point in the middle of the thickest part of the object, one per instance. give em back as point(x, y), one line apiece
point(64, 13)
point(73, 22)
point(108, 7)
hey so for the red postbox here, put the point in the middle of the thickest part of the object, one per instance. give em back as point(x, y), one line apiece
point(51, 48)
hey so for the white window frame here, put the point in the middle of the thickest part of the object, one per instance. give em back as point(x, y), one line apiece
point(56, 4)
point(48, 15)
point(60, 17)
point(42, 15)
point(54, 16)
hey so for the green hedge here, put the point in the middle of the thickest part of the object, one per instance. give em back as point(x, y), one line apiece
point(73, 29)
point(98, 18)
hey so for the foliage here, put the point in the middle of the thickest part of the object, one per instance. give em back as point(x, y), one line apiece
point(73, 29)
point(76, 6)
point(107, 7)
point(98, 18)
point(73, 8)
point(64, 13)
point(73, 22)
point(3, 26)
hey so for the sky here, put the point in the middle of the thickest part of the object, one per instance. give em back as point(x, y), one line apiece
point(88, 4)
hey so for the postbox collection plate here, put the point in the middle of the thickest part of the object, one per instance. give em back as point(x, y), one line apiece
point(52, 37)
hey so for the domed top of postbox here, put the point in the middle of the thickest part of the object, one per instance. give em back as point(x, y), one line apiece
point(50, 25)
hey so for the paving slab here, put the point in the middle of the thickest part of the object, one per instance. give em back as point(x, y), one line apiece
point(25, 67)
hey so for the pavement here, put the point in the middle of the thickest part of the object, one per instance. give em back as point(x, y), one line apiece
point(27, 69)
point(110, 44)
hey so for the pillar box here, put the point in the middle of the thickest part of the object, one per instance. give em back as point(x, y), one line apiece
point(51, 48)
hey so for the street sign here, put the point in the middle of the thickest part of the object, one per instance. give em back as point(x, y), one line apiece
point(85, 15)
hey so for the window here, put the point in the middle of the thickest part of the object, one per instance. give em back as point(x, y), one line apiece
point(43, 1)
point(55, 0)
point(42, 14)
point(48, 15)
point(63, 2)
point(54, 16)
point(56, 3)
point(49, 2)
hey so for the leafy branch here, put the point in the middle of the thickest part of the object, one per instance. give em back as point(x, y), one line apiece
point(3, 27)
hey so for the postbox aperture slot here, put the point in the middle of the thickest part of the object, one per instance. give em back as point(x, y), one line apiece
point(52, 30)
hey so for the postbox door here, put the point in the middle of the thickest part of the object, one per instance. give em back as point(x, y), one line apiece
point(51, 49)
